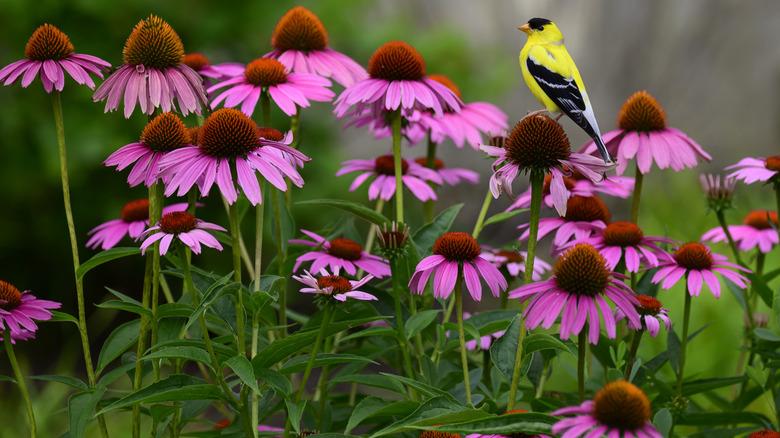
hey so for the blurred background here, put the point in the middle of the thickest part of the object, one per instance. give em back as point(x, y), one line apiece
point(713, 64)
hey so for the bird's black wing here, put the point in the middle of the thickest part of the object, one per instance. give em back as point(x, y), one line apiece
point(563, 91)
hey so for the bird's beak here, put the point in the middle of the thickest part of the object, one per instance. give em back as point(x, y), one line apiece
point(525, 28)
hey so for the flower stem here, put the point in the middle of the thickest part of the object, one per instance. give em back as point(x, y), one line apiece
point(281, 257)
point(326, 313)
point(380, 205)
point(482, 213)
point(259, 217)
point(74, 246)
point(582, 350)
point(637, 195)
point(430, 162)
point(632, 352)
point(684, 340)
point(733, 245)
point(464, 360)
point(9, 349)
point(537, 183)
point(399, 319)
point(399, 188)
point(234, 234)
point(777, 200)
point(155, 212)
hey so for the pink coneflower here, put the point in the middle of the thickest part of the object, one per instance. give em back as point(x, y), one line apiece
point(153, 74)
point(625, 241)
point(484, 341)
point(415, 177)
point(539, 144)
point(651, 315)
point(334, 286)
point(339, 253)
point(454, 252)
point(513, 262)
point(50, 53)
point(644, 135)
point(580, 282)
point(700, 265)
point(584, 216)
point(300, 42)
point(133, 220)
point(450, 175)
point(164, 133)
point(20, 310)
point(181, 225)
point(396, 81)
point(615, 186)
point(619, 409)
point(287, 90)
point(759, 169)
point(758, 230)
point(201, 64)
point(230, 141)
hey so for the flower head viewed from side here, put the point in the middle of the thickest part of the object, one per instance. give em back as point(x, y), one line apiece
point(695, 261)
point(651, 314)
point(614, 186)
point(50, 53)
point(625, 242)
point(229, 142)
point(643, 135)
point(164, 133)
point(758, 230)
point(337, 254)
point(334, 286)
point(585, 215)
point(450, 175)
point(300, 42)
point(152, 75)
point(718, 190)
point(185, 227)
point(577, 291)
point(133, 220)
point(513, 262)
point(201, 64)
point(415, 177)
point(758, 169)
point(20, 310)
point(266, 75)
point(538, 143)
point(619, 409)
point(457, 254)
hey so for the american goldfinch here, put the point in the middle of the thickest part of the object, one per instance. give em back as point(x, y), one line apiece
point(554, 80)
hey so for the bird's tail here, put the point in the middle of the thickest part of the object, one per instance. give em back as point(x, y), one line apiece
point(603, 150)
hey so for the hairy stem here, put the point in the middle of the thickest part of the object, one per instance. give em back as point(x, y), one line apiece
point(326, 313)
point(281, 256)
point(399, 188)
point(234, 234)
point(632, 353)
point(464, 359)
point(9, 349)
point(635, 199)
point(732, 244)
point(684, 340)
point(430, 162)
point(482, 213)
point(582, 351)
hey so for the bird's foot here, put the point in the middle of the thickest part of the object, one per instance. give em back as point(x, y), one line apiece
point(558, 117)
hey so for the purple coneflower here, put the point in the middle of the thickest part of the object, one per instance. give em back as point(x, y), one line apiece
point(580, 282)
point(50, 53)
point(450, 175)
point(651, 315)
point(585, 215)
point(644, 135)
point(625, 241)
point(615, 186)
point(334, 286)
point(513, 262)
point(133, 220)
point(415, 177)
point(484, 341)
point(758, 230)
point(300, 42)
point(20, 310)
point(759, 169)
point(619, 409)
point(153, 74)
point(339, 253)
point(164, 133)
point(185, 227)
point(539, 144)
point(453, 252)
point(228, 141)
point(201, 64)
point(287, 90)
point(695, 261)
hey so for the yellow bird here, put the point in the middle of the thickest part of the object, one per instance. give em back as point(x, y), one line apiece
point(554, 80)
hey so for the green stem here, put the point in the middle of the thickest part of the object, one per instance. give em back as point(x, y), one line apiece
point(632, 352)
point(399, 320)
point(542, 379)
point(777, 201)
point(74, 246)
point(295, 126)
point(635, 199)
point(399, 188)
point(9, 349)
point(236, 238)
point(482, 214)
point(430, 162)
point(732, 244)
point(444, 320)
point(684, 340)
point(281, 256)
point(259, 218)
point(371, 237)
point(582, 350)
point(326, 311)
point(464, 360)
point(155, 213)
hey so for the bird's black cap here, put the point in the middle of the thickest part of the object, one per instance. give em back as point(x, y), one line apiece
point(538, 23)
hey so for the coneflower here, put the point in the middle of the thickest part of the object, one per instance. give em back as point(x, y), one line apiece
point(133, 220)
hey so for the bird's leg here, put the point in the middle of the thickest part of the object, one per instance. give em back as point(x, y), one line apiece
point(558, 117)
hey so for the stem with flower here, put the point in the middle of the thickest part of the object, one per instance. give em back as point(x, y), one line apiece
point(315, 349)
point(9, 349)
point(635, 339)
point(636, 197)
point(235, 237)
point(732, 244)
point(684, 340)
point(155, 212)
point(482, 214)
point(464, 360)
point(397, 166)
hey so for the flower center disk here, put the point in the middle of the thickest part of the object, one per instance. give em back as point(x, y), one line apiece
point(587, 209)
point(385, 165)
point(582, 271)
point(265, 72)
point(693, 255)
point(447, 82)
point(48, 42)
point(621, 405)
point(642, 112)
point(396, 61)
point(177, 222)
point(195, 61)
point(537, 142)
point(228, 133)
point(760, 219)
point(165, 133)
point(511, 256)
point(270, 134)
point(299, 29)
point(438, 434)
point(154, 44)
point(648, 305)
point(10, 297)
point(423, 161)
point(773, 163)
point(137, 210)
point(337, 282)
point(346, 249)
point(623, 234)
point(457, 246)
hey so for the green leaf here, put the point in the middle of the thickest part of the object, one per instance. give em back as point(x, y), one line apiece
point(298, 364)
point(425, 236)
point(243, 369)
point(663, 421)
point(294, 413)
point(80, 409)
point(766, 334)
point(7, 379)
point(701, 385)
point(111, 376)
point(419, 321)
point(65, 380)
point(125, 307)
point(372, 407)
point(122, 338)
point(501, 217)
point(373, 380)
point(721, 418)
point(438, 410)
point(275, 380)
point(530, 423)
point(177, 387)
point(105, 257)
point(358, 210)
point(123, 297)
point(57, 316)
point(372, 332)
point(424, 388)
point(174, 310)
point(504, 349)
point(543, 341)
point(195, 354)
point(759, 285)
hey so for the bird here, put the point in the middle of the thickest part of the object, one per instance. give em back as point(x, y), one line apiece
point(552, 76)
